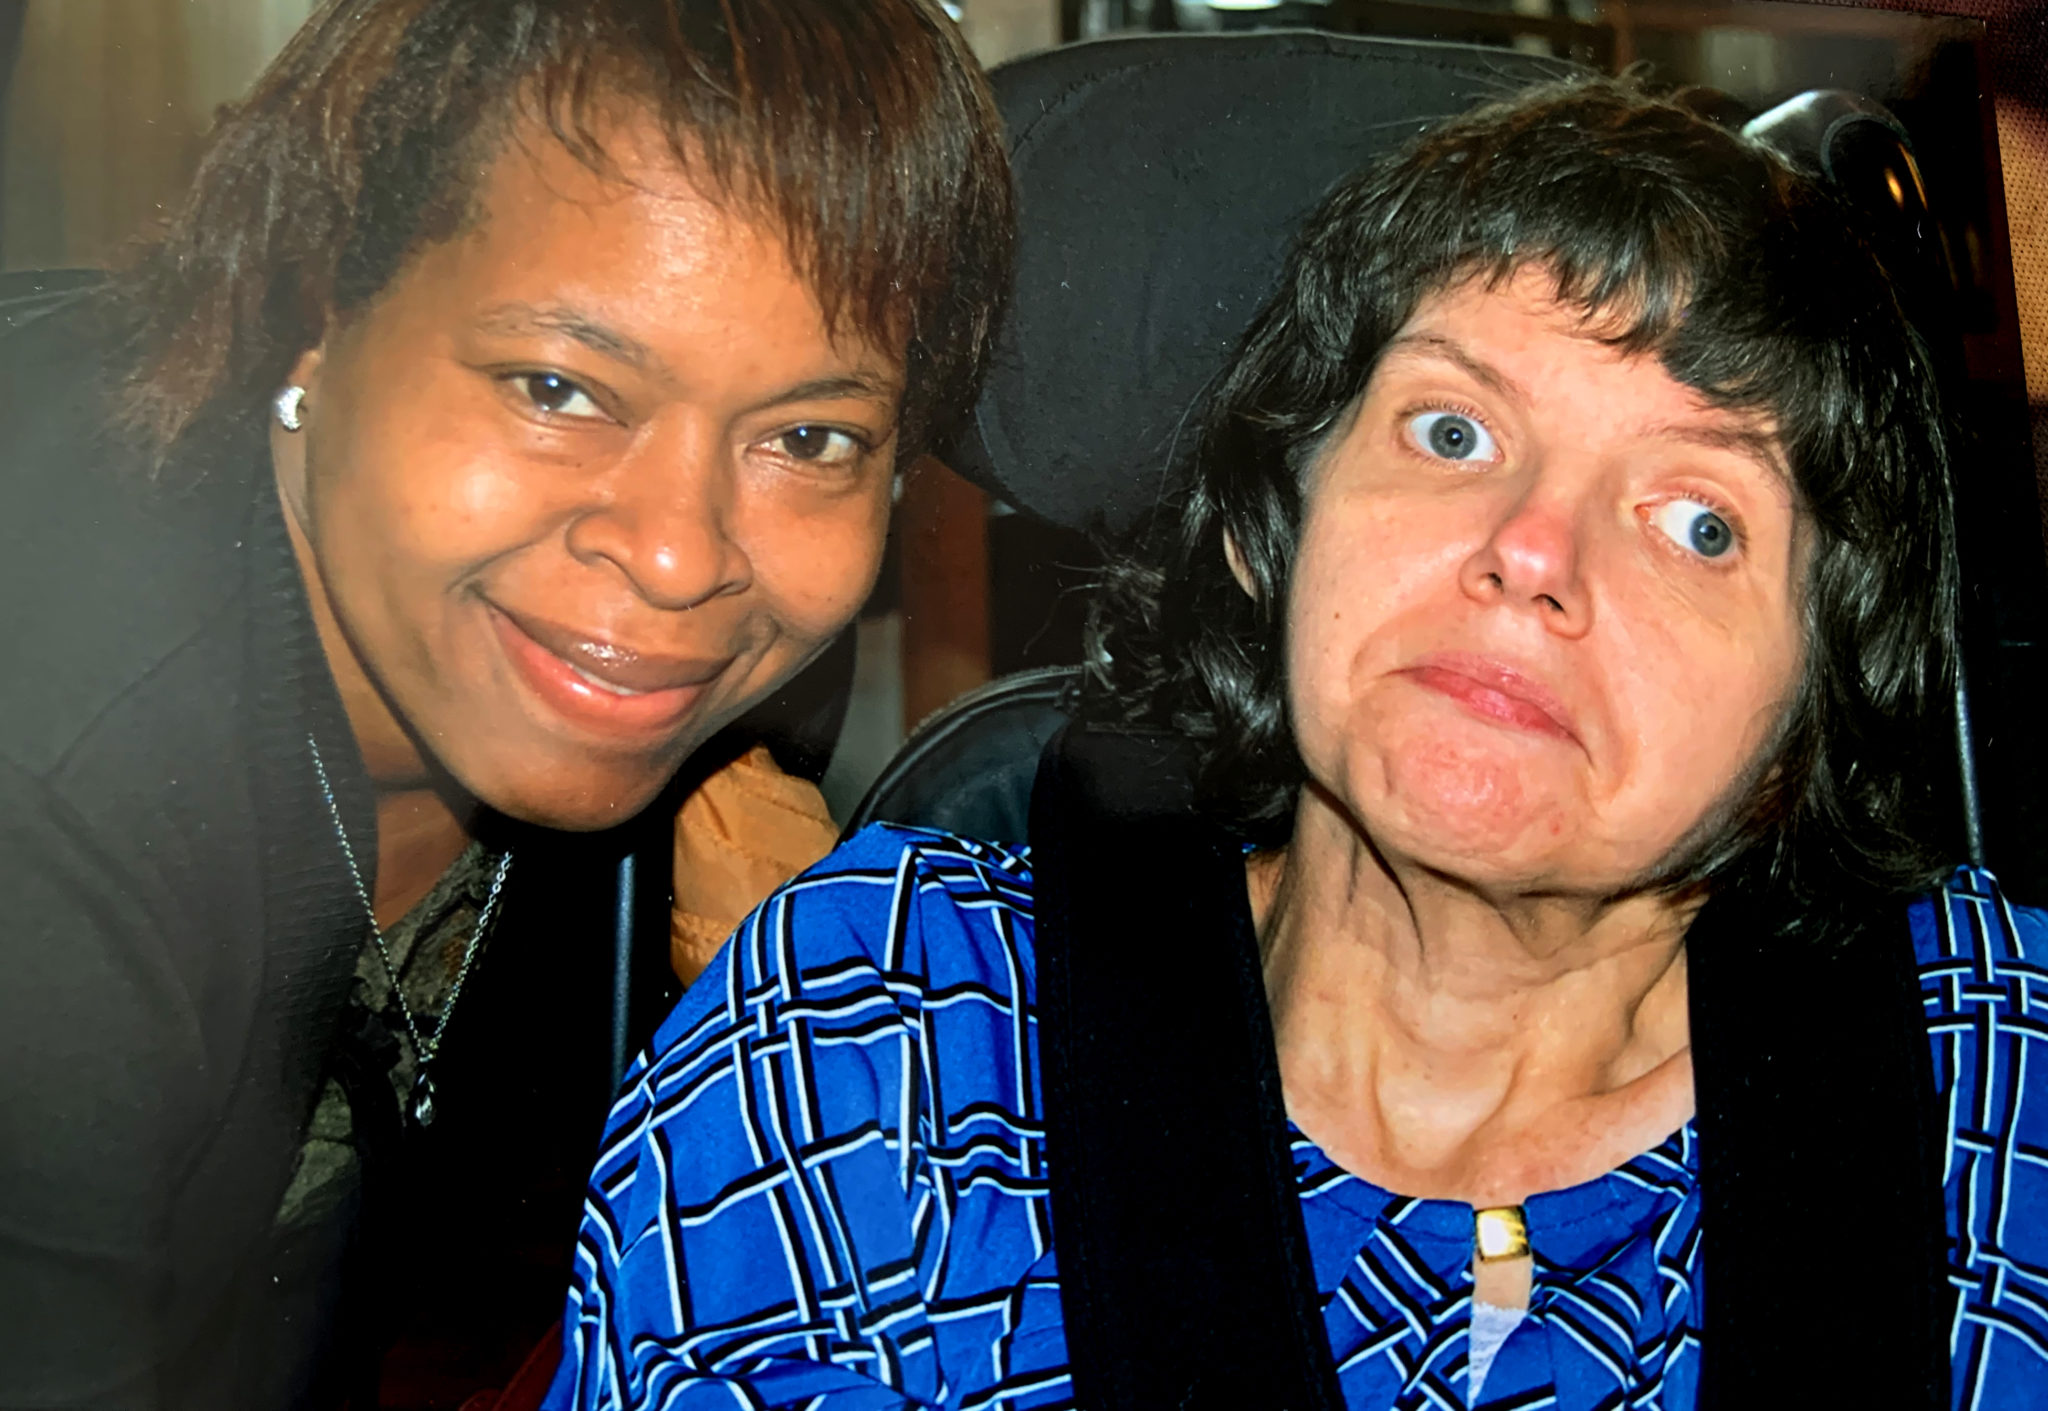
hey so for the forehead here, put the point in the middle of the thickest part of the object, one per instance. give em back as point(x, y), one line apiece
point(537, 200)
point(1515, 334)
point(638, 237)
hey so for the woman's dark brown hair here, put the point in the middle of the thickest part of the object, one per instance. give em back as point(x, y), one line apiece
point(1676, 240)
point(862, 127)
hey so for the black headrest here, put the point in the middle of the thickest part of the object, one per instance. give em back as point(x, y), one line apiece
point(1159, 182)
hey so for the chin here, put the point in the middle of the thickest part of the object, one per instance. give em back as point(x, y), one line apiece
point(576, 810)
point(1475, 801)
point(572, 794)
point(1466, 814)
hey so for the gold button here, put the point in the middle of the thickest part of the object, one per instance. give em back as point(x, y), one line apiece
point(1500, 1232)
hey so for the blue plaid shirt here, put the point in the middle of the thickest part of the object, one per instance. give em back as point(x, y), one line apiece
point(826, 1186)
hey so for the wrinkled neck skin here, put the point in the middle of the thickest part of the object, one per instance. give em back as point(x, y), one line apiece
point(1448, 1042)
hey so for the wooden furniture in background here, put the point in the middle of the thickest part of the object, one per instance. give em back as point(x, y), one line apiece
point(943, 526)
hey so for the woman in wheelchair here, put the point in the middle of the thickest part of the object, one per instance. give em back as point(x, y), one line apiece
point(1557, 627)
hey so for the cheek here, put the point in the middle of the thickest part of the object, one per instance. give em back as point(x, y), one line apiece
point(815, 566)
point(1703, 679)
point(1702, 732)
point(427, 497)
point(1698, 705)
point(457, 502)
point(1369, 587)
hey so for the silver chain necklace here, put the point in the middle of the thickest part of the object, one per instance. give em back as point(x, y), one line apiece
point(425, 1049)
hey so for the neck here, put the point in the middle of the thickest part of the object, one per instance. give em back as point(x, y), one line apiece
point(1447, 1040)
point(422, 822)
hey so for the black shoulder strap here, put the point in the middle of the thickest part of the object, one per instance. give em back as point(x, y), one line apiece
point(1184, 1267)
point(1825, 1236)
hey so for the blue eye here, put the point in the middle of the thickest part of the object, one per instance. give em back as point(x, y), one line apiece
point(1452, 436)
point(1693, 526)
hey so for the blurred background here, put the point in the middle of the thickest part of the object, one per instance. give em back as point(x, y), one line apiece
point(104, 103)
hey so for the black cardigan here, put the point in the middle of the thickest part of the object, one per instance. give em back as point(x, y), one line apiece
point(179, 931)
point(178, 937)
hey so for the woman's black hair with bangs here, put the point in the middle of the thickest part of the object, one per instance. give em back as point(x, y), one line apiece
point(1676, 239)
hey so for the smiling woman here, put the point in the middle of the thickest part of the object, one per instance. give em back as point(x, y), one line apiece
point(586, 480)
point(514, 401)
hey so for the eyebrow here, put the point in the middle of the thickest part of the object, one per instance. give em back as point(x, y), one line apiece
point(516, 320)
point(1748, 442)
point(607, 342)
point(822, 389)
point(1457, 354)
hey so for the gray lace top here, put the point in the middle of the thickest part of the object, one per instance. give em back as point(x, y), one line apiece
point(427, 946)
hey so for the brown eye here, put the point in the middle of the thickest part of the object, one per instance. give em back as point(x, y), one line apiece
point(818, 445)
point(557, 396)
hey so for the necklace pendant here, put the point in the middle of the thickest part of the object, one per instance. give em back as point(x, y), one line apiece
point(1500, 1232)
point(423, 1101)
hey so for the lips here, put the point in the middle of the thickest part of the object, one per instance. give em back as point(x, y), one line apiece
point(1494, 691)
point(599, 684)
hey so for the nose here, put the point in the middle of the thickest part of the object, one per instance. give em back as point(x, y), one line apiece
point(1531, 562)
point(663, 518)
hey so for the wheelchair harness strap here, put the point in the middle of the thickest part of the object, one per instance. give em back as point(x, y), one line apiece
point(1184, 1266)
point(1824, 1232)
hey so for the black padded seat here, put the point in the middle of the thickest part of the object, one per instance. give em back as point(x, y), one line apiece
point(969, 768)
point(1159, 181)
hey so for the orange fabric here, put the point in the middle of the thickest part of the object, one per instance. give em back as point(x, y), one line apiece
point(745, 831)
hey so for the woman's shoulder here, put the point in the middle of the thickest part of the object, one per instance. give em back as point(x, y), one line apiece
point(944, 867)
point(1982, 961)
point(1969, 927)
point(898, 896)
point(1983, 966)
point(874, 1008)
point(912, 912)
point(106, 571)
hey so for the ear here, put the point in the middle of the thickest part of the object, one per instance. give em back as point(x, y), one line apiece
point(1238, 570)
point(306, 371)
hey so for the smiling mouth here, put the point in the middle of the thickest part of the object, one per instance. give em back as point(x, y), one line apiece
point(599, 684)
